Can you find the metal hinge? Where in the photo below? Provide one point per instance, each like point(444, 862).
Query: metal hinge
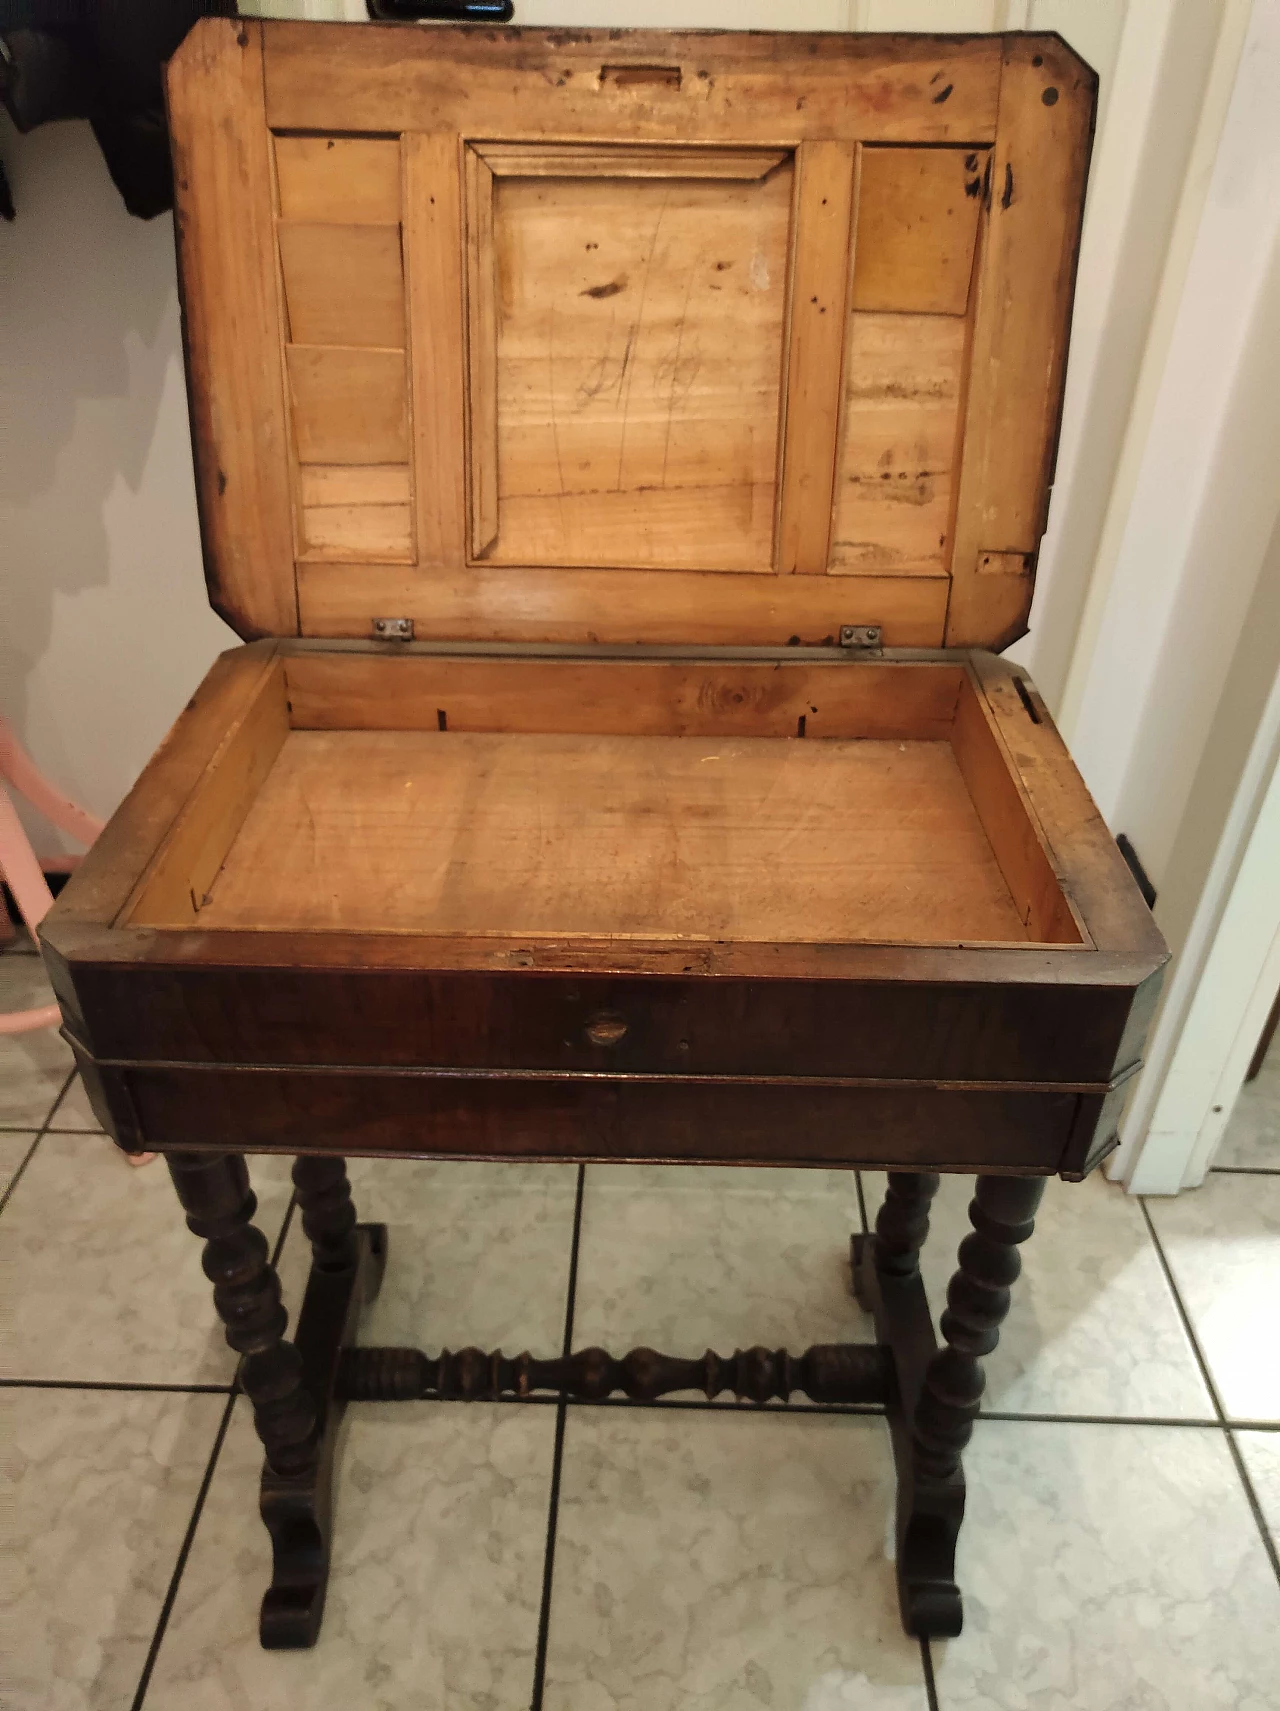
point(393, 629)
point(862, 638)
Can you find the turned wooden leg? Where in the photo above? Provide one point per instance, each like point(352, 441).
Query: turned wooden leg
point(215, 1194)
point(328, 1215)
point(902, 1223)
point(1002, 1213)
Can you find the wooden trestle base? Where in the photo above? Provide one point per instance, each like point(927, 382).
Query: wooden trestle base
point(299, 1390)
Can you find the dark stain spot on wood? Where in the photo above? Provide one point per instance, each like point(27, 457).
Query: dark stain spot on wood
point(442, 719)
point(222, 482)
point(942, 94)
point(610, 290)
point(973, 187)
point(800, 724)
point(1038, 59)
point(722, 265)
point(242, 36)
point(1050, 96)
point(1007, 198)
point(329, 144)
point(971, 163)
point(793, 641)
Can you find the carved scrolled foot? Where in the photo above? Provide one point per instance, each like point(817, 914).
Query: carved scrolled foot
point(935, 1391)
point(932, 1498)
point(298, 1511)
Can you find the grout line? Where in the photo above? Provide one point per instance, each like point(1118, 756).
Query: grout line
point(122, 1385)
point(1245, 1170)
point(285, 1222)
point(1036, 1419)
point(557, 1459)
point(1268, 1543)
point(58, 1103)
point(16, 1178)
point(41, 1132)
point(184, 1551)
point(1251, 1496)
point(1183, 1314)
point(930, 1685)
point(862, 1202)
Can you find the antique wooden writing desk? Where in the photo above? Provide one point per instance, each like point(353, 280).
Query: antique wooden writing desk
point(618, 451)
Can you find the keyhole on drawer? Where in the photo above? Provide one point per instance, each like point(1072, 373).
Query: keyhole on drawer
point(605, 1030)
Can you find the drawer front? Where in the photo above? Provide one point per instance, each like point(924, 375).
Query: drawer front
point(637, 1025)
point(760, 1122)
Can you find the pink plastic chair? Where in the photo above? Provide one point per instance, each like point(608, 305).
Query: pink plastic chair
point(21, 869)
point(19, 866)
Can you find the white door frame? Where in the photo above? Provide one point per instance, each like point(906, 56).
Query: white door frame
point(1222, 987)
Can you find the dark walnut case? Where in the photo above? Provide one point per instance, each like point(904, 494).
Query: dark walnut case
point(624, 456)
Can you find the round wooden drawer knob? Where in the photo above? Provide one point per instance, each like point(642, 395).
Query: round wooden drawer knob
point(606, 1030)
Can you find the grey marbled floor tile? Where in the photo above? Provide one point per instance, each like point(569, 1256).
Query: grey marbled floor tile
point(1093, 1328)
point(683, 1259)
point(107, 1279)
point(102, 1487)
point(478, 1254)
point(1222, 1241)
point(73, 1112)
point(13, 1149)
point(726, 1561)
point(1109, 1568)
point(33, 1067)
point(1261, 1452)
point(1252, 1140)
point(439, 1536)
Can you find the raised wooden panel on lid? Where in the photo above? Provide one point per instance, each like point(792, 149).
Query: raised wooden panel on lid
point(626, 336)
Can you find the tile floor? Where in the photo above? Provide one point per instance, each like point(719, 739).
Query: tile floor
point(1124, 1511)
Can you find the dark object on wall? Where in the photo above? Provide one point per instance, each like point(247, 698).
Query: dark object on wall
point(101, 60)
point(6, 196)
point(1264, 1043)
point(443, 11)
point(1141, 877)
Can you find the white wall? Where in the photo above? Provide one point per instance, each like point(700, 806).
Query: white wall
point(1206, 495)
point(104, 627)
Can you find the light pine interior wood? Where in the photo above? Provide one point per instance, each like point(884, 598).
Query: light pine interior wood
point(673, 337)
point(512, 834)
point(644, 800)
point(626, 355)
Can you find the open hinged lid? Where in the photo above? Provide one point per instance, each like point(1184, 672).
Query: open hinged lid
point(614, 336)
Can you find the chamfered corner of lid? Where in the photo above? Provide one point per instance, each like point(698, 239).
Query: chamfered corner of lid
point(209, 42)
point(1065, 71)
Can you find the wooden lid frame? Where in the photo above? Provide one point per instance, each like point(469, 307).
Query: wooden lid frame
point(625, 336)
